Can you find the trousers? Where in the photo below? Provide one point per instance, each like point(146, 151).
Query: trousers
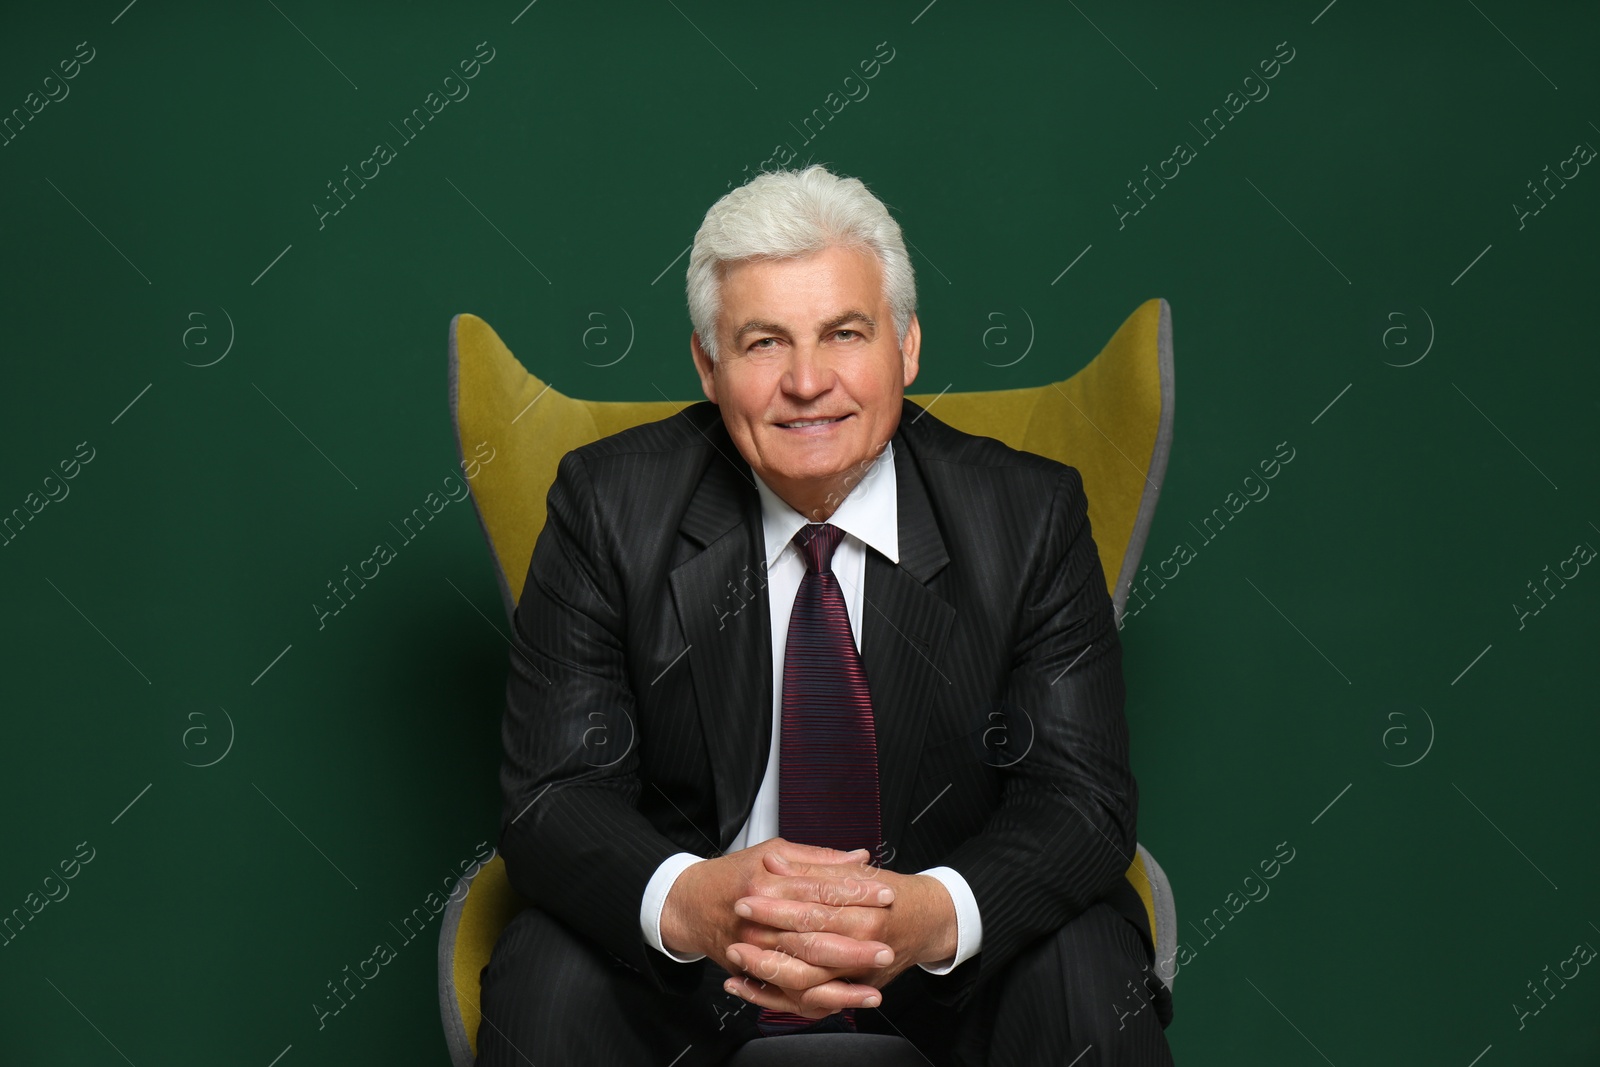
point(1085, 995)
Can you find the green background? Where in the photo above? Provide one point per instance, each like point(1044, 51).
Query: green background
point(1371, 591)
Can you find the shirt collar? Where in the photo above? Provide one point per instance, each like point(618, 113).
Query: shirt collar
point(870, 512)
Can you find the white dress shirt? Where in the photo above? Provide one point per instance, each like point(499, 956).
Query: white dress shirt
point(869, 515)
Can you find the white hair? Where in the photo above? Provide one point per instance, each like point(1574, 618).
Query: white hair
point(789, 213)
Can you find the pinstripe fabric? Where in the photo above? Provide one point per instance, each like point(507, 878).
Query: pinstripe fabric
point(828, 759)
point(1084, 995)
point(640, 684)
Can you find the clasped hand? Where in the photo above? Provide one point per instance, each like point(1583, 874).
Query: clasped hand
point(806, 929)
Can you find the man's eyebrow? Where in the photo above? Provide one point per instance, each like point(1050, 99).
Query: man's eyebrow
point(755, 325)
point(852, 315)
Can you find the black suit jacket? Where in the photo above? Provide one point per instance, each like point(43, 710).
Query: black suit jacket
point(638, 704)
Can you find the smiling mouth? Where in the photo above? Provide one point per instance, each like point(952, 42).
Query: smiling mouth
point(802, 423)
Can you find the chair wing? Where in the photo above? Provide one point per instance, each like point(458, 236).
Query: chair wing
point(1112, 421)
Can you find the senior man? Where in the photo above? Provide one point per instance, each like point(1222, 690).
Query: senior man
point(801, 616)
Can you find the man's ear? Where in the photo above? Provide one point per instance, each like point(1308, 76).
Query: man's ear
point(704, 367)
point(911, 350)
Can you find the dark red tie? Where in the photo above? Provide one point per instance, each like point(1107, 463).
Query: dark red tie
point(828, 759)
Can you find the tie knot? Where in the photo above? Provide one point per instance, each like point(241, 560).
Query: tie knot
point(816, 542)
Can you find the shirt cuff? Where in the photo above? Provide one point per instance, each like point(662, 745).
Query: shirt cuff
point(969, 925)
point(655, 897)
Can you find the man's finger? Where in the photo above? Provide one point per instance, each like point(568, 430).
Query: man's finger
point(771, 996)
point(815, 1003)
point(806, 916)
point(828, 954)
point(777, 863)
point(819, 853)
point(835, 890)
point(838, 952)
point(777, 966)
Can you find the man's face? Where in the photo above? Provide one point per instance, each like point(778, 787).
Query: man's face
point(808, 338)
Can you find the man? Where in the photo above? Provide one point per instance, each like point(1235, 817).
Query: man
point(808, 603)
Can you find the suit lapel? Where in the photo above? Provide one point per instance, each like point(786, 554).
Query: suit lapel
point(720, 595)
point(903, 635)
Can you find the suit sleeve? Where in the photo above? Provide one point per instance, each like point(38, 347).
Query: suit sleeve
point(574, 841)
point(1064, 831)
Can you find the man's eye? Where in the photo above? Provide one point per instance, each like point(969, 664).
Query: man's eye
point(836, 333)
point(757, 345)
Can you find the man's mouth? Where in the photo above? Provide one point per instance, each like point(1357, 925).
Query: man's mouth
point(801, 423)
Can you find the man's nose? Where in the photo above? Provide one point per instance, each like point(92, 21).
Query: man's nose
point(810, 371)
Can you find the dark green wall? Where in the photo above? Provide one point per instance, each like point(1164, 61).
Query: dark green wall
point(1371, 593)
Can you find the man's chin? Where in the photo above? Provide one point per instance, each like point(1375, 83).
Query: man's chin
point(797, 477)
point(808, 459)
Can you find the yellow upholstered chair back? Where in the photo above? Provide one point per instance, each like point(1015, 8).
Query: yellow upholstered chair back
point(1112, 420)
